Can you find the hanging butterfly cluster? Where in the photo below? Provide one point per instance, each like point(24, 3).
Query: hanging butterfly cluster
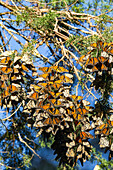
point(65, 116)
point(99, 58)
point(13, 72)
point(15, 77)
point(103, 124)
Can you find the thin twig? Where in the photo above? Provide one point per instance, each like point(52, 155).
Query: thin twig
point(21, 140)
point(12, 113)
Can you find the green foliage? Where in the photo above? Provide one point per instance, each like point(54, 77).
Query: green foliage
point(46, 142)
point(30, 18)
point(26, 160)
point(103, 163)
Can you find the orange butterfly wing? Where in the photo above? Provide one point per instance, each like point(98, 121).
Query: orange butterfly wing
point(34, 96)
point(48, 121)
point(47, 106)
point(6, 70)
point(102, 59)
point(56, 121)
point(24, 68)
point(103, 67)
point(44, 75)
point(13, 88)
point(45, 69)
point(94, 69)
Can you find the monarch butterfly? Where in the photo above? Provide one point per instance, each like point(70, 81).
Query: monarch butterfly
point(51, 111)
point(82, 111)
point(91, 62)
point(13, 88)
point(105, 45)
point(103, 67)
point(50, 82)
point(76, 116)
point(42, 84)
point(76, 97)
point(103, 129)
point(62, 69)
point(47, 106)
point(110, 51)
point(81, 59)
point(45, 69)
point(55, 95)
point(56, 86)
point(44, 75)
point(57, 112)
point(59, 102)
point(53, 101)
point(80, 140)
point(5, 60)
point(84, 135)
point(65, 79)
point(100, 67)
point(110, 122)
point(34, 96)
point(50, 121)
point(54, 68)
point(52, 78)
point(59, 69)
point(84, 58)
point(94, 69)
point(6, 70)
point(110, 44)
point(102, 59)
point(14, 78)
point(36, 87)
point(69, 111)
point(24, 68)
point(56, 121)
point(58, 82)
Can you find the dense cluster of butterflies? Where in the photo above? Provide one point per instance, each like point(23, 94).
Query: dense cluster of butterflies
point(50, 107)
point(56, 111)
point(99, 58)
point(102, 122)
point(12, 76)
point(105, 133)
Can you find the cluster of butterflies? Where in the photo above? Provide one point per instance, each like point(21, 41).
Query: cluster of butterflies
point(56, 110)
point(99, 58)
point(49, 96)
point(104, 128)
point(73, 145)
point(12, 75)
